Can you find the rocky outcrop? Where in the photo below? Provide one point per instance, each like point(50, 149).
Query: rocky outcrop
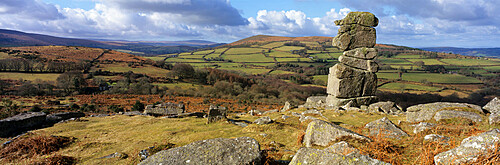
point(494, 118)
point(286, 107)
point(56, 117)
point(354, 79)
point(321, 133)
point(470, 148)
point(449, 114)
point(436, 138)
point(216, 113)
point(339, 153)
point(164, 109)
point(423, 126)
point(493, 106)
point(263, 120)
point(243, 150)
point(387, 107)
point(21, 122)
point(385, 128)
point(423, 112)
point(314, 102)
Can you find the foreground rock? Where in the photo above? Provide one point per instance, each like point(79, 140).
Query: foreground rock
point(339, 153)
point(164, 109)
point(493, 106)
point(448, 114)
point(423, 126)
point(436, 138)
point(243, 150)
point(494, 118)
point(470, 148)
point(21, 122)
point(385, 128)
point(321, 133)
point(423, 112)
point(387, 107)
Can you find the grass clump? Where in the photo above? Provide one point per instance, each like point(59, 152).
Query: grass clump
point(31, 145)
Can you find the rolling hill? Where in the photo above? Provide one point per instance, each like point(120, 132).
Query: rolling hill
point(482, 52)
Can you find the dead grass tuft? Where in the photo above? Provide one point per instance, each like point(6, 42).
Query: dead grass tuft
point(31, 145)
point(384, 150)
point(493, 157)
point(300, 138)
point(57, 160)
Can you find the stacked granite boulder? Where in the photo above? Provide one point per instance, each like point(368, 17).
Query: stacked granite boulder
point(354, 79)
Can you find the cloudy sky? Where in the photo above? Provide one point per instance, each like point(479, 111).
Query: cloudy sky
point(416, 23)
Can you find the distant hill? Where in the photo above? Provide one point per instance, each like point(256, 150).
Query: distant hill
point(266, 38)
point(12, 38)
point(483, 52)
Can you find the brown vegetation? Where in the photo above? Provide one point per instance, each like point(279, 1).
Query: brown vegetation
point(31, 145)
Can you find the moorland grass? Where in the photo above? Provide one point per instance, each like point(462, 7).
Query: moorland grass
point(29, 76)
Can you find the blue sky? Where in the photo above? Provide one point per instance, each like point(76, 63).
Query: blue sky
point(422, 23)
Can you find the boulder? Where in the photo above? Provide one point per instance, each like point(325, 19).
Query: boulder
point(306, 118)
point(21, 122)
point(385, 128)
point(423, 112)
point(362, 53)
point(255, 112)
point(286, 107)
point(263, 120)
point(387, 107)
point(361, 18)
point(321, 133)
point(355, 36)
point(328, 156)
point(56, 117)
point(436, 138)
point(118, 155)
point(164, 109)
point(312, 111)
point(470, 148)
point(216, 113)
point(493, 106)
point(356, 102)
point(243, 150)
point(314, 102)
point(449, 114)
point(342, 148)
point(368, 65)
point(270, 111)
point(423, 126)
point(348, 82)
point(494, 118)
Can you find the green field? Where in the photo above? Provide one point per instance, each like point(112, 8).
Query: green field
point(470, 62)
point(493, 68)
point(4, 55)
point(324, 78)
point(283, 54)
point(272, 45)
point(204, 52)
point(173, 60)
point(278, 72)
point(289, 48)
point(244, 50)
point(403, 86)
point(220, 50)
point(430, 77)
point(293, 60)
point(213, 55)
point(248, 70)
point(28, 76)
point(248, 58)
point(185, 54)
point(193, 57)
point(393, 61)
point(428, 61)
point(407, 56)
point(156, 58)
point(321, 56)
point(335, 55)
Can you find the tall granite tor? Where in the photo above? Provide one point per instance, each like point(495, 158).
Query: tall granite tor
point(354, 79)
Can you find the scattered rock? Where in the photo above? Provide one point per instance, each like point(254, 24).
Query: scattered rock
point(284, 117)
point(449, 114)
point(255, 112)
point(21, 122)
point(263, 120)
point(115, 155)
point(145, 153)
point(216, 113)
point(423, 126)
point(286, 107)
point(243, 150)
point(164, 109)
point(182, 115)
point(470, 148)
point(387, 107)
point(329, 156)
point(321, 133)
point(270, 111)
point(56, 117)
point(314, 112)
point(436, 138)
point(423, 112)
point(133, 113)
point(241, 123)
point(314, 102)
point(494, 118)
point(385, 128)
point(342, 148)
point(493, 106)
point(305, 118)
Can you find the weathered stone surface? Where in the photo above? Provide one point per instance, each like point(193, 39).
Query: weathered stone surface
point(313, 156)
point(343, 71)
point(21, 122)
point(436, 138)
point(346, 87)
point(361, 18)
point(263, 120)
point(470, 148)
point(387, 107)
point(385, 128)
point(355, 36)
point(368, 65)
point(216, 113)
point(494, 118)
point(347, 82)
point(286, 107)
point(164, 109)
point(423, 126)
point(423, 112)
point(370, 84)
point(243, 150)
point(493, 106)
point(306, 118)
point(321, 133)
point(312, 111)
point(254, 112)
point(270, 111)
point(449, 114)
point(358, 101)
point(342, 148)
point(314, 102)
point(362, 53)
point(56, 117)
point(115, 155)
